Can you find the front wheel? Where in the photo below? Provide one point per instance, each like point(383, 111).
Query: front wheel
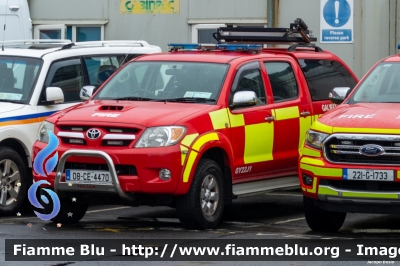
point(72, 209)
point(14, 181)
point(202, 206)
point(322, 220)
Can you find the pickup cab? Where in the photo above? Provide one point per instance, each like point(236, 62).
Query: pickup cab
point(193, 128)
point(350, 160)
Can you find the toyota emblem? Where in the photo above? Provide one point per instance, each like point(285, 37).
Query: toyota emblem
point(93, 133)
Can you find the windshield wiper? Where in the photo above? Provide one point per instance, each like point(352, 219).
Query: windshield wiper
point(10, 101)
point(133, 99)
point(188, 100)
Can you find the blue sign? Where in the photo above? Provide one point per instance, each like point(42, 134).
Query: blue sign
point(336, 35)
point(337, 21)
point(337, 12)
point(49, 166)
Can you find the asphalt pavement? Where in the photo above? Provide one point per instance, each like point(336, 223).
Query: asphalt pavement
point(273, 216)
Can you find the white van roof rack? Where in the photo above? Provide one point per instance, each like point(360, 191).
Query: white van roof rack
point(35, 41)
point(107, 43)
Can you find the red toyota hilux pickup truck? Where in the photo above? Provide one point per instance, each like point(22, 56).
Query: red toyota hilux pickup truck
point(194, 128)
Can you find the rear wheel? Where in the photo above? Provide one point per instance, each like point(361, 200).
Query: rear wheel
point(14, 181)
point(202, 206)
point(321, 220)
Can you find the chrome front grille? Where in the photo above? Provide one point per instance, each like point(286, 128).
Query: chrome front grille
point(111, 136)
point(348, 148)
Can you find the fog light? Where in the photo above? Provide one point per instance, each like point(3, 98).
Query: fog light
point(307, 180)
point(165, 174)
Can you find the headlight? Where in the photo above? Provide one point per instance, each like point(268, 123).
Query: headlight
point(315, 139)
point(43, 136)
point(160, 136)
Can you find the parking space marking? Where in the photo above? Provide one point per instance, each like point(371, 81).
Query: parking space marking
point(17, 218)
point(375, 231)
point(284, 194)
point(110, 209)
point(290, 220)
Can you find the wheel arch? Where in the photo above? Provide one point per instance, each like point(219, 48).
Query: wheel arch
point(215, 146)
point(220, 156)
point(20, 148)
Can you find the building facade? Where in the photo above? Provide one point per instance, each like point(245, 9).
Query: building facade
point(160, 22)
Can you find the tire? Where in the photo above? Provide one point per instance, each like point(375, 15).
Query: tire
point(206, 190)
point(71, 211)
point(321, 220)
point(14, 181)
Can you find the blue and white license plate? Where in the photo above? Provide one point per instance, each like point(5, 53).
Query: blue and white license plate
point(88, 176)
point(368, 174)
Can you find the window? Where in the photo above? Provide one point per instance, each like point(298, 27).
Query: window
point(382, 85)
point(66, 75)
point(75, 33)
point(100, 68)
point(184, 81)
point(17, 77)
point(283, 81)
point(324, 75)
point(84, 34)
point(49, 31)
point(202, 33)
point(248, 78)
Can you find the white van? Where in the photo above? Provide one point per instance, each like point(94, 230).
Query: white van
point(38, 80)
point(15, 15)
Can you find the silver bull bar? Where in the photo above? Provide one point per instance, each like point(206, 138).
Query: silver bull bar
point(64, 186)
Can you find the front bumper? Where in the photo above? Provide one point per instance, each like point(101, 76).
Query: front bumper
point(332, 192)
point(115, 187)
point(147, 163)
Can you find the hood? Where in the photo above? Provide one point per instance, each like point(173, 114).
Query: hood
point(9, 107)
point(363, 115)
point(146, 114)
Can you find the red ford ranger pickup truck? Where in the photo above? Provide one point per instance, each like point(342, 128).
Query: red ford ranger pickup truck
point(351, 157)
point(193, 128)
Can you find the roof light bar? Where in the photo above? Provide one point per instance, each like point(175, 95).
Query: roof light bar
point(185, 46)
point(239, 47)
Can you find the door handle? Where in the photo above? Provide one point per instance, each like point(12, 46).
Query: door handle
point(305, 113)
point(270, 118)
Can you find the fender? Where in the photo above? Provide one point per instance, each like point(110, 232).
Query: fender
point(19, 134)
point(198, 147)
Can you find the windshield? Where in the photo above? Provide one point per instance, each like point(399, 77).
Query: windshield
point(17, 77)
point(382, 85)
point(166, 81)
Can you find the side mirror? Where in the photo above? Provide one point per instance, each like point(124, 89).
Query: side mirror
point(54, 95)
point(87, 92)
point(244, 99)
point(338, 94)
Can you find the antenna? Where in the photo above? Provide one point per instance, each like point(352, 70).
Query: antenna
point(140, 37)
point(5, 20)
